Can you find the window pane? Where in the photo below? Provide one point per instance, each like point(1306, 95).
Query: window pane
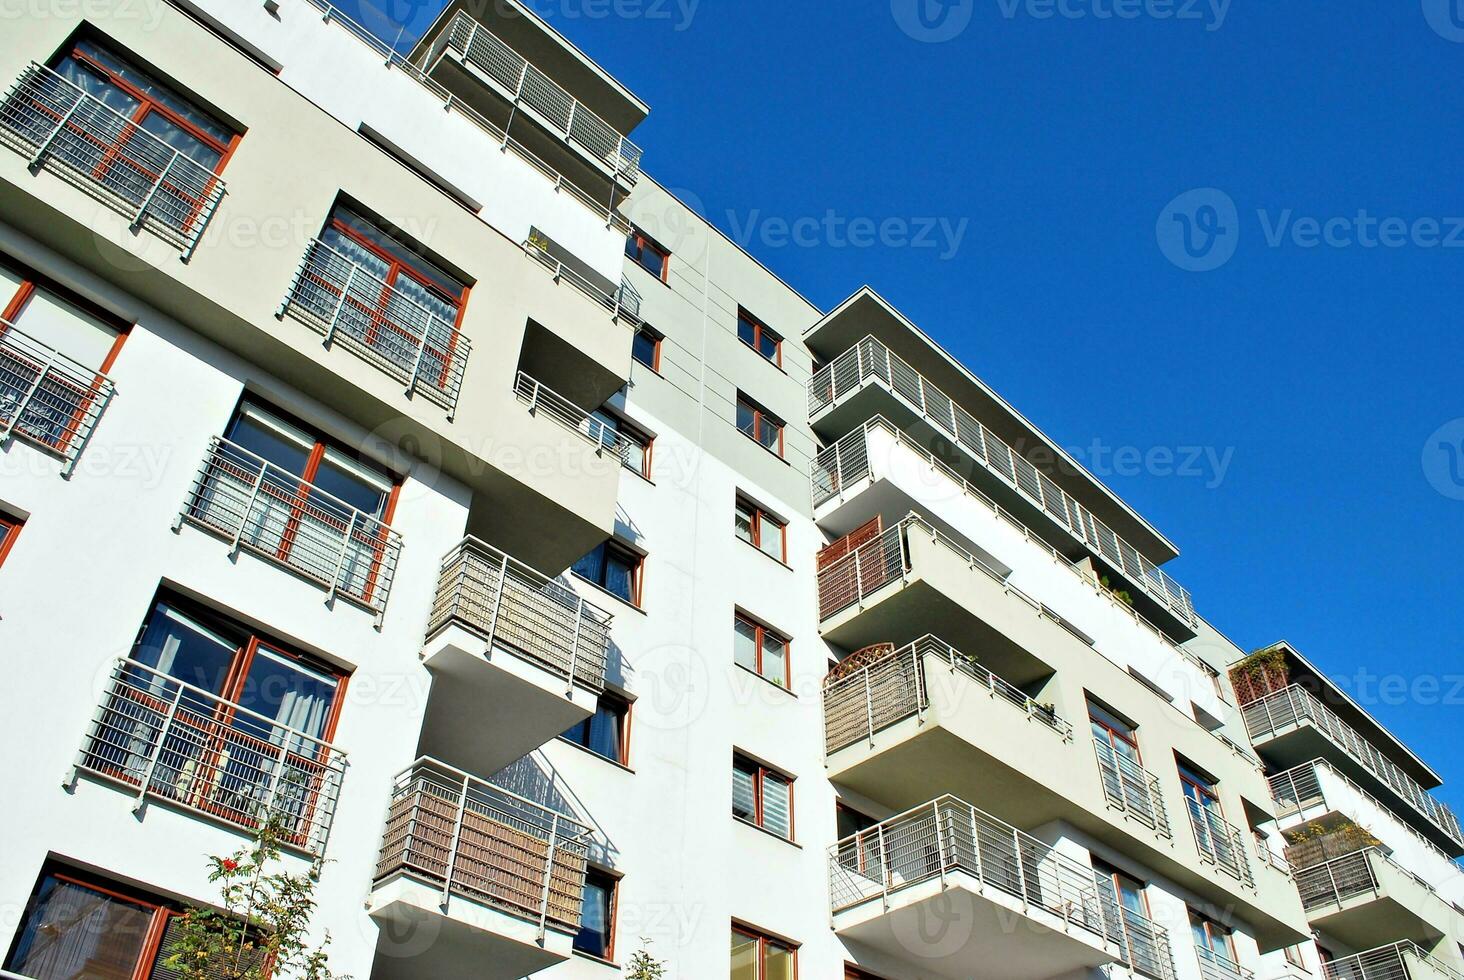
point(768, 432)
point(746, 331)
point(746, 419)
point(181, 140)
point(62, 326)
point(770, 536)
point(744, 801)
point(605, 731)
point(75, 932)
point(580, 733)
point(743, 522)
point(744, 644)
point(635, 456)
point(594, 931)
point(775, 659)
point(181, 647)
point(767, 346)
point(592, 566)
point(652, 261)
point(287, 692)
point(779, 965)
point(744, 957)
point(777, 815)
point(643, 349)
point(268, 437)
point(620, 578)
point(354, 484)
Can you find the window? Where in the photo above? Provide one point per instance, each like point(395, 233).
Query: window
point(607, 731)
point(647, 254)
point(37, 317)
point(755, 423)
point(756, 956)
point(1213, 941)
point(752, 332)
point(761, 651)
point(762, 797)
point(81, 925)
point(1294, 957)
point(596, 934)
point(761, 530)
point(614, 568)
point(1148, 953)
point(611, 429)
point(1121, 737)
point(9, 531)
point(1200, 791)
point(646, 348)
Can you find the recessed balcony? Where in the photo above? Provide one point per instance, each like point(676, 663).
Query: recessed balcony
point(1219, 842)
point(46, 398)
point(1366, 899)
point(1218, 966)
point(517, 658)
point(494, 878)
point(1396, 961)
point(1022, 904)
point(171, 742)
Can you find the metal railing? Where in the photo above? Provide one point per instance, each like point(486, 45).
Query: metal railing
point(1396, 961)
point(1219, 842)
point(172, 741)
point(1269, 857)
point(540, 398)
point(1334, 882)
point(949, 836)
point(623, 303)
point(528, 85)
point(275, 514)
point(871, 361)
point(352, 305)
point(1131, 788)
point(86, 142)
point(506, 602)
point(1218, 966)
point(1294, 706)
point(894, 688)
point(1145, 943)
point(481, 842)
point(46, 397)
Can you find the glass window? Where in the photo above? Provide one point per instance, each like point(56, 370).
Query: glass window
point(754, 334)
point(647, 254)
point(762, 797)
point(9, 530)
point(759, 957)
point(610, 429)
point(1117, 733)
point(614, 568)
point(605, 732)
point(760, 650)
point(761, 530)
point(757, 425)
point(596, 934)
point(646, 348)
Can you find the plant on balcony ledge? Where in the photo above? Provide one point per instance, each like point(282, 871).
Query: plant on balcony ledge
point(1262, 673)
point(1122, 595)
point(262, 934)
point(1316, 843)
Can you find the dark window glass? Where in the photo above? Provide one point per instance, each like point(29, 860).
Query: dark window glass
point(646, 348)
point(604, 732)
point(597, 915)
point(613, 569)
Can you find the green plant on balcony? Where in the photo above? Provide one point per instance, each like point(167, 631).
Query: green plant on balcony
point(1122, 595)
point(1317, 842)
point(539, 241)
point(1260, 674)
point(643, 966)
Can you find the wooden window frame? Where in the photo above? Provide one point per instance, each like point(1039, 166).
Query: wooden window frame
point(761, 772)
point(1212, 929)
point(764, 940)
point(10, 528)
point(637, 575)
point(761, 417)
point(1129, 738)
point(625, 708)
point(641, 242)
point(656, 338)
point(760, 331)
point(759, 515)
point(1190, 777)
point(760, 634)
point(611, 919)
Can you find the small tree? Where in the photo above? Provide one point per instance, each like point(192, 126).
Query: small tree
point(262, 933)
point(643, 966)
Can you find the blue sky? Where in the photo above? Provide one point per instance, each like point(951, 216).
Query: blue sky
point(1054, 136)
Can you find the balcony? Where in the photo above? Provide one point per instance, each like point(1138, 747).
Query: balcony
point(1292, 727)
point(271, 512)
point(1219, 842)
point(1131, 789)
point(623, 302)
point(516, 657)
point(1366, 899)
point(1218, 966)
point(870, 380)
point(544, 400)
point(82, 140)
point(1146, 945)
point(46, 398)
point(1396, 961)
point(489, 62)
point(383, 325)
point(165, 740)
point(1035, 911)
point(497, 878)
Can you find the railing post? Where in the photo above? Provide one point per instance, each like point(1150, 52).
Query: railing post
point(157, 753)
point(497, 602)
point(579, 616)
point(45, 147)
point(272, 792)
point(452, 850)
point(25, 400)
point(976, 845)
point(341, 558)
point(335, 316)
point(548, 877)
point(918, 665)
point(1021, 869)
point(869, 706)
point(884, 868)
point(248, 507)
point(940, 848)
point(417, 364)
point(215, 194)
point(152, 192)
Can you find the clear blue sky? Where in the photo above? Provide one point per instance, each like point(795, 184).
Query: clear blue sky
point(1324, 369)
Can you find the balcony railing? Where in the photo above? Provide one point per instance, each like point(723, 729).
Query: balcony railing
point(1294, 706)
point(1218, 966)
point(949, 836)
point(1267, 856)
point(1131, 788)
point(1349, 876)
point(623, 303)
point(1219, 842)
point(1146, 945)
point(894, 688)
point(47, 398)
point(258, 506)
point(541, 398)
point(506, 602)
point(870, 361)
point(479, 841)
point(1398, 961)
point(86, 142)
point(351, 305)
point(172, 741)
point(527, 85)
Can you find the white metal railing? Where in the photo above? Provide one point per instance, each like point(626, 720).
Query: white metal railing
point(1131, 788)
point(46, 397)
point(526, 84)
point(352, 305)
point(272, 512)
point(1396, 961)
point(949, 836)
point(479, 841)
point(1293, 706)
point(623, 303)
point(540, 398)
point(1267, 856)
point(1146, 945)
point(172, 741)
point(1218, 966)
point(506, 602)
point(870, 361)
point(1219, 842)
point(1339, 879)
point(62, 128)
point(894, 688)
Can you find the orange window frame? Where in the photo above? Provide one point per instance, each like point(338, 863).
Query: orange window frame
point(644, 243)
point(764, 941)
point(1116, 735)
point(635, 559)
point(1211, 930)
point(760, 332)
point(613, 882)
point(761, 418)
point(1190, 778)
point(760, 635)
point(656, 339)
point(759, 516)
point(9, 531)
point(760, 775)
point(10, 312)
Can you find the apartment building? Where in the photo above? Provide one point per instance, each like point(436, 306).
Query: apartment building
point(441, 487)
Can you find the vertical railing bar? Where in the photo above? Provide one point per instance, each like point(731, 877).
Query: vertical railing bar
point(152, 764)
